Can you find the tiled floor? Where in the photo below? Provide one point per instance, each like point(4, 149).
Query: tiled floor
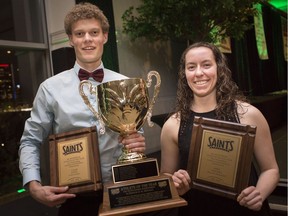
point(24, 205)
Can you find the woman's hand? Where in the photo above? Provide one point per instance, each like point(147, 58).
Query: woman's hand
point(134, 142)
point(250, 198)
point(49, 195)
point(181, 181)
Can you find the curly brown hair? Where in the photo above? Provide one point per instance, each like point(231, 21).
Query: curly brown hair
point(227, 91)
point(85, 10)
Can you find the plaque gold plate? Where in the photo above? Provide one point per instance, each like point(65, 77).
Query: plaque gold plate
point(220, 156)
point(133, 170)
point(74, 160)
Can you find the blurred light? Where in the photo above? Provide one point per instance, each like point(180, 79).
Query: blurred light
point(21, 190)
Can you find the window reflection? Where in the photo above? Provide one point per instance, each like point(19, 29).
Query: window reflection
point(22, 20)
point(21, 72)
point(24, 64)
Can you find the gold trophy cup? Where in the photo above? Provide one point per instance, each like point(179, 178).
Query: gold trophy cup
point(124, 106)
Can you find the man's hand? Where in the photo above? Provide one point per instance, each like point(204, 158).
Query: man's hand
point(134, 142)
point(48, 195)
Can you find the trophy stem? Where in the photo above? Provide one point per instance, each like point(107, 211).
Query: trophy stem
point(128, 156)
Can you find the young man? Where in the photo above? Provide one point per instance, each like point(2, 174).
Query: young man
point(58, 107)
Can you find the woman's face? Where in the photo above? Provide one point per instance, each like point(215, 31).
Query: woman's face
point(201, 71)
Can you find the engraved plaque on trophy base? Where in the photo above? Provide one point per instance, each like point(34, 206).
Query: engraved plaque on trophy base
point(139, 196)
point(133, 170)
point(139, 192)
point(74, 160)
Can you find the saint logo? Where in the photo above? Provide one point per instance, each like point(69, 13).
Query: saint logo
point(226, 145)
point(69, 149)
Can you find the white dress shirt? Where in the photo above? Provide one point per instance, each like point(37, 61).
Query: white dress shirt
point(58, 107)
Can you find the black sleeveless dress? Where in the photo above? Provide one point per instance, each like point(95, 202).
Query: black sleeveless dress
point(202, 203)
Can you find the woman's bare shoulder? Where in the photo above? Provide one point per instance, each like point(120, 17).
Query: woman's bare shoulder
point(249, 114)
point(173, 119)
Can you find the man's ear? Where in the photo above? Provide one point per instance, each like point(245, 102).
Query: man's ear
point(70, 41)
point(105, 37)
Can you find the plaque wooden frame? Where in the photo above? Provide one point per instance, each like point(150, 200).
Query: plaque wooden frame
point(87, 142)
point(215, 147)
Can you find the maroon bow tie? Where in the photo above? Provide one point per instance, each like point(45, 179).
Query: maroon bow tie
point(97, 75)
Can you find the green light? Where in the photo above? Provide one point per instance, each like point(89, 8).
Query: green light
point(279, 4)
point(21, 190)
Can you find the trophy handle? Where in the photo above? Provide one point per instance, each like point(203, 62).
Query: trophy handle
point(92, 90)
point(155, 94)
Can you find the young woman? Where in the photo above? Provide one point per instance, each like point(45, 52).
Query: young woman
point(205, 88)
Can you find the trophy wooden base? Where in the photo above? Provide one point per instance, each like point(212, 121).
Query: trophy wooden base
point(139, 196)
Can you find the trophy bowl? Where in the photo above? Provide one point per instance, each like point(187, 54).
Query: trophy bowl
point(124, 106)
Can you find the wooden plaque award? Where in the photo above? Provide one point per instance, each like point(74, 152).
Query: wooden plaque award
point(220, 156)
point(74, 160)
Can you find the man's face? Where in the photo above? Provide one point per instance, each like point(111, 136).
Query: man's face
point(88, 40)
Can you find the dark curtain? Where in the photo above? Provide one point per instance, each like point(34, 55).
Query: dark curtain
point(272, 22)
point(239, 64)
point(253, 75)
